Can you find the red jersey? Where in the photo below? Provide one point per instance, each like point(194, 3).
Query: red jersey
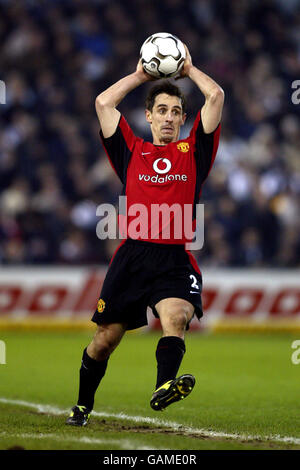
point(162, 184)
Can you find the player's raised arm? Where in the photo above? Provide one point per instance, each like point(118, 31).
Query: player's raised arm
point(107, 102)
point(214, 95)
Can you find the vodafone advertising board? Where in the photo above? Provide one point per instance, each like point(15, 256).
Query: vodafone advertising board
point(69, 292)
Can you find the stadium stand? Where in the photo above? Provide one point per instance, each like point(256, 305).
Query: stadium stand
point(56, 58)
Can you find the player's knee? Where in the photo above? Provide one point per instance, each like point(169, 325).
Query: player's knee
point(103, 345)
point(101, 349)
point(176, 319)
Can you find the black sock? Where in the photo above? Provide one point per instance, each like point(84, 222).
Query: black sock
point(169, 353)
point(90, 375)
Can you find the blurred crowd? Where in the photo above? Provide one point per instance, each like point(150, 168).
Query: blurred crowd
point(58, 55)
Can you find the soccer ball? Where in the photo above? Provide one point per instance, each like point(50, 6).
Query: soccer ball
point(162, 55)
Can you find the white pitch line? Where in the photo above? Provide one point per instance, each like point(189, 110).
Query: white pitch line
point(123, 443)
point(157, 422)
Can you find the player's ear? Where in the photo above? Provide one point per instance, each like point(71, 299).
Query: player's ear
point(183, 119)
point(148, 116)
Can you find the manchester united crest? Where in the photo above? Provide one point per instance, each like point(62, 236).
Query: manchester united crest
point(100, 305)
point(183, 147)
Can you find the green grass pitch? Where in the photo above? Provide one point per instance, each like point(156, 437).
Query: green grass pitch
point(246, 394)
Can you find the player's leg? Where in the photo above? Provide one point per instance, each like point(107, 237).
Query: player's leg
point(174, 316)
point(93, 367)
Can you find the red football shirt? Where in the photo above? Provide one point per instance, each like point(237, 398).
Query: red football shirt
point(162, 183)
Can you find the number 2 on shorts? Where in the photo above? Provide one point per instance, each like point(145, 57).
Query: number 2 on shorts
point(194, 282)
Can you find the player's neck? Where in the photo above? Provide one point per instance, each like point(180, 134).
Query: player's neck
point(163, 142)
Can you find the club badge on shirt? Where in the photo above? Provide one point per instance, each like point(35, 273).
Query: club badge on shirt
point(183, 147)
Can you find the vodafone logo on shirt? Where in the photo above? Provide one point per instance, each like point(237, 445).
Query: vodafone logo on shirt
point(161, 166)
point(167, 168)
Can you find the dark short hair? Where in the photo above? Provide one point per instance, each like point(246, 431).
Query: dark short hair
point(167, 88)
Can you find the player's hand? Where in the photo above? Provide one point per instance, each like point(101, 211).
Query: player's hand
point(187, 64)
point(144, 75)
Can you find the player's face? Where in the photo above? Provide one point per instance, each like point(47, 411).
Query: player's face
point(166, 118)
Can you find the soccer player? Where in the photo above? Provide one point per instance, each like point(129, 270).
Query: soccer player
point(151, 269)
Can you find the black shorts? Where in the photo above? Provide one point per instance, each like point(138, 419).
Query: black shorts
point(141, 274)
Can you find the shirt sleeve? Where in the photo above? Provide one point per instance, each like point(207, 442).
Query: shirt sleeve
point(206, 146)
point(119, 147)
